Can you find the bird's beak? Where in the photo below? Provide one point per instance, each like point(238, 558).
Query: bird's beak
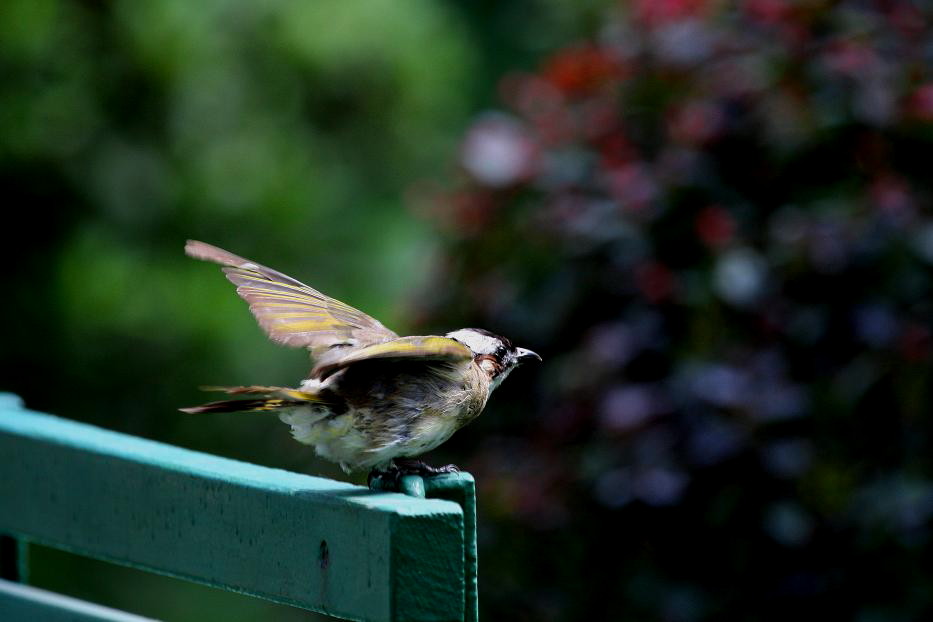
point(522, 355)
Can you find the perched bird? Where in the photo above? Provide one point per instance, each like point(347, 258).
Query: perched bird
point(373, 400)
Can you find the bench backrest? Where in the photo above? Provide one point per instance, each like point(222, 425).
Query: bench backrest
point(306, 541)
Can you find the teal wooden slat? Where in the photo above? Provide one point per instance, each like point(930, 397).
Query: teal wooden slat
point(461, 489)
point(10, 400)
point(296, 539)
point(23, 603)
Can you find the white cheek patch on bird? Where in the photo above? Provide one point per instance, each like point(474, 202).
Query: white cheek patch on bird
point(372, 396)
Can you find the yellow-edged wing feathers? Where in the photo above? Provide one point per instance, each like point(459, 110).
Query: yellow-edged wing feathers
point(291, 312)
point(428, 348)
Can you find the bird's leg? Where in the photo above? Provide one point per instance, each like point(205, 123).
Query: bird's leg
point(411, 466)
point(389, 477)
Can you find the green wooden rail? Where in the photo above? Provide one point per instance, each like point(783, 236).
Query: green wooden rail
point(305, 541)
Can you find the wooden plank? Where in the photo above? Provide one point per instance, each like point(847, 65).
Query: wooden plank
point(460, 488)
point(22, 603)
point(306, 541)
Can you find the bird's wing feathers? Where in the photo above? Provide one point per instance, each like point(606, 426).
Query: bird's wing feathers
point(291, 312)
point(429, 348)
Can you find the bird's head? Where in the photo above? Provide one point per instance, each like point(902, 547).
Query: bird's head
point(495, 355)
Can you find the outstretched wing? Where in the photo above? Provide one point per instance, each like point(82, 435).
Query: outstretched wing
point(290, 312)
point(430, 348)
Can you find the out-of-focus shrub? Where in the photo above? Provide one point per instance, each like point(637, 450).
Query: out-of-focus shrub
point(284, 131)
point(714, 222)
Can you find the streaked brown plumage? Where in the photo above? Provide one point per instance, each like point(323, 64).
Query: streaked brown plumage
point(371, 396)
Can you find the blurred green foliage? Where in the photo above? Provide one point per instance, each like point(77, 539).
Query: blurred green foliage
point(286, 131)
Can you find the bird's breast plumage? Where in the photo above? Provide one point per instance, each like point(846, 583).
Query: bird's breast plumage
point(381, 410)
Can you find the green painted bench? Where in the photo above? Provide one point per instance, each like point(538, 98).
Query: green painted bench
point(305, 541)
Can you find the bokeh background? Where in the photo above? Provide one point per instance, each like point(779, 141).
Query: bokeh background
point(713, 220)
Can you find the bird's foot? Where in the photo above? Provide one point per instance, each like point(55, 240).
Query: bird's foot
point(390, 477)
point(408, 466)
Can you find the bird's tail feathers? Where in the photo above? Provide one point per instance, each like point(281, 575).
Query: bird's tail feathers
point(272, 399)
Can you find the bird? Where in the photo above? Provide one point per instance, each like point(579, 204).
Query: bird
point(372, 399)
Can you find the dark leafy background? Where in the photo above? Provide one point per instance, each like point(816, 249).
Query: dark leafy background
point(712, 220)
